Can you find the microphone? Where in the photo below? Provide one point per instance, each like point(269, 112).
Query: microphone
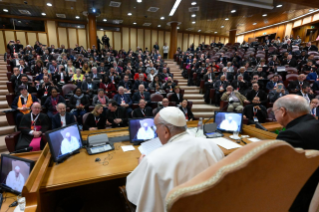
point(27, 149)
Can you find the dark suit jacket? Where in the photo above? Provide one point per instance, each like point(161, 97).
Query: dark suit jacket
point(261, 94)
point(206, 77)
point(261, 114)
point(309, 95)
point(137, 97)
point(63, 51)
point(56, 120)
point(292, 62)
point(137, 83)
point(137, 113)
point(242, 86)
point(127, 99)
point(229, 77)
point(84, 101)
point(127, 85)
point(312, 48)
point(90, 122)
point(14, 104)
point(119, 113)
point(189, 113)
point(174, 98)
point(47, 104)
point(294, 84)
point(30, 89)
point(218, 83)
point(85, 87)
point(47, 57)
point(303, 133)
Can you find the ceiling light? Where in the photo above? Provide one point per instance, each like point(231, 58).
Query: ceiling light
point(199, 30)
point(194, 15)
point(177, 27)
point(138, 1)
point(49, 4)
point(5, 10)
point(159, 26)
point(78, 26)
point(77, 17)
point(162, 18)
point(311, 10)
point(175, 6)
point(252, 4)
point(104, 19)
point(134, 23)
point(233, 11)
point(193, 22)
point(215, 32)
point(93, 10)
point(226, 19)
point(19, 21)
point(279, 5)
point(193, 3)
point(254, 23)
point(222, 26)
point(264, 15)
point(101, 29)
point(43, 14)
point(129, 13)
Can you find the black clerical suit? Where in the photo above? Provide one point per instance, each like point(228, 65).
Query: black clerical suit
point(217, 86)
point(176, 99)
point(118, 114)
point(93, 121)
point(56, 120)
point(139, 113)
point(25, 128)
point(241, 87)
point(249, 111)
point(302, 132)
point(260, 93)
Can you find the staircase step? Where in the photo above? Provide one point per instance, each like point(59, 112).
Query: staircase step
point(203, 114)
point(204, 108)
point(3, 86)
point(179, 83)
point(4, 104)
point(3, 146)
point(3, 97)
point(193, 96)
point(3, 91)
point(198, 101)
point(189, 88)
point(3, 78)
point(7, 130)
point(191, 91)
point(3, 121)
point(4, 109)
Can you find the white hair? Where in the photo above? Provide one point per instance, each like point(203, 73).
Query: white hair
point(94, 68)
point(121, 87)
point(293, 106)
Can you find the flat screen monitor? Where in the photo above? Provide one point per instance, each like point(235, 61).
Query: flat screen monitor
point(15, 171)
point(64, 140)
point(142, 129)
point(228, 121)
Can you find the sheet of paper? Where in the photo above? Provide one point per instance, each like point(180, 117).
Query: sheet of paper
point(128, 148)
point(224, 142)
point(149, 146)
point(254, 139)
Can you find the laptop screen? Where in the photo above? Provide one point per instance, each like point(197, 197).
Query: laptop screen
point(229, 121)
point(142, 129)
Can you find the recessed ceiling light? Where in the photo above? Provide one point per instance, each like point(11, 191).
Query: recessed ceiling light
point(104, 19)
point(194, 15)
point(49, 4)
point(19, 21)
point(279, 5)
point(193, 3)
point(78, 26)
point(101, 29)
point(215, 32)
point(138, 1)
point(159, 26)
point(129, 13)
point(233, 11)
point(72, 8)
point(77, 17)
point(134, 23)
point(5, 10)
point(254, 23)
point(222, 26)
point(264, 15)
point(311, 10)
point(177, 27)
point(199, 30)
point(193, 22)
point(43, 14)
point(162, 18)
point(226, 19)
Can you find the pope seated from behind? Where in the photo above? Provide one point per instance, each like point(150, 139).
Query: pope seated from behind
point(181, 157)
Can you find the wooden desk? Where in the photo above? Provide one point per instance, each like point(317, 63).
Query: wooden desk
point(271, 126)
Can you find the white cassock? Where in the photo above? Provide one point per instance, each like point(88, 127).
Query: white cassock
point(143, 134)
point(69, 146)
point(232, 126)
point(176, 162)
point(16, 183)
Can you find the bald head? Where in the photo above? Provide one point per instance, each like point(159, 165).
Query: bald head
point(36, 108)
point(290, 107)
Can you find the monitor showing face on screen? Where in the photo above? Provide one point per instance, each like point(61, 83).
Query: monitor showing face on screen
point(228, 121)
point(142, 129)
point(15, 171)
point(64, 140)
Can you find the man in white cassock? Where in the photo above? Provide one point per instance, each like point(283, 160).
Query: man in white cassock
point(145, 132)
point(229, 124)
point(181, 157)
point(15, 179)
point(69, 144)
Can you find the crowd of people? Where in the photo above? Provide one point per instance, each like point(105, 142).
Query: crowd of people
point(251, 77)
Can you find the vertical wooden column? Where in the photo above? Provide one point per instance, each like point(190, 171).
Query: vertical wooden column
point(92, 31)
point(232, 36)
point(173, 42)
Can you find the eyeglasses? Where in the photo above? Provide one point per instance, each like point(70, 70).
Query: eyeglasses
point(275, 110)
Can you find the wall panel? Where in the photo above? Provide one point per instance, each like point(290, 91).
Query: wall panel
point(140, 38)
point(125, 38)
point(315, 17)
point(21, 37)
point(222, 39)
point(288, 29)
point(190, 39)
point(117, 41)
point(82, 38)
point(9, 35)
point(207, 40)
point(154, 38)
point(53, 40)
point(196, 41)
point(226, 40)
point(160, 40)
point(240, 38)
point(147, 39)
point(63, 37)
point(216, 39)
point(185, 42)
point(179, 40)
point(306, 20)
point(109, 34)
point(72, 37)
point(2, 44)
point(297, 23)
point(100, 34)
point(133, 39)
point(32, 38)
point(168, 38)
point(43, 38)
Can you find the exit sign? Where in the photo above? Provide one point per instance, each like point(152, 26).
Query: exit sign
point(312, 27)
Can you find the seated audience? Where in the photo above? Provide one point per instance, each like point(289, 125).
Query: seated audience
point(62, 118)
point(314, 110)
point(273, 82)
point(126, 84)
point(124, 100)
point(142, 110)
point(108, 87)
point(186, 110)
point(169, 84)
point(78, 78)
point(180, 149)
point(140, 81)
point(96, 119)
point(32, 126)
point(255, 112)
point(220, 87)
point(89, 87)
point(306, 92)
point(116, 115)
point(235, 99)
point(160, 105)
point(295, 86)
point(257, 92)
point(52, 102)
point(177, 97)
point(24, 81)
point(79, 104)
point(277, 92)
point(141, 94)
point(240, 84)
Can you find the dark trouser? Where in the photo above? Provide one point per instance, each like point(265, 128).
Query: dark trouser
point(165, 55)
point(208, 86)
point(18, 118)
point(217, 97)
point(78, 114)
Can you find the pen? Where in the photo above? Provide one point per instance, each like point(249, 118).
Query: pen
point(243, 141)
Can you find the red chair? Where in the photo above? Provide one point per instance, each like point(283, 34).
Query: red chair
point(223, 105)
point(291, 70)
point(10, 87)
point(211, 96)
point(66, 89)
point(271, 75)
point(169, 96)
point(291, 77)
point(84, 117)
point(271, 115)
point(156, 97)
point(12, 140)
point(9, 75)
point(202, 86)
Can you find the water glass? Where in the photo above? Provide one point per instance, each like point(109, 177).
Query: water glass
point(21, 202)
point(235, 134)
